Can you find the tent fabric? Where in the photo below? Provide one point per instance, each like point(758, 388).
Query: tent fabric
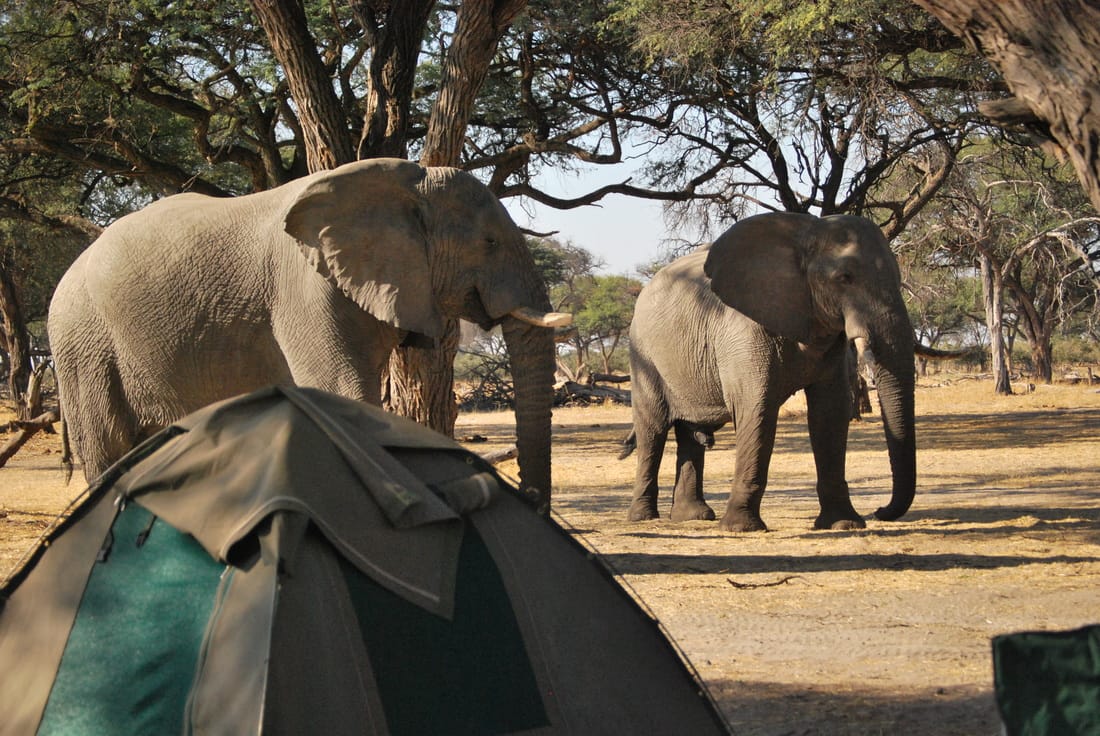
point(1047, 683)
point(126, 605)
point(246, 459)
point(293, 562)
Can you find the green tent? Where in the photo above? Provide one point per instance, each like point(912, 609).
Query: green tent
point(294, 562)
point(1047, 683)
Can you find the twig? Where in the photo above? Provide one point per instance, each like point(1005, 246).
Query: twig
point(752, 586)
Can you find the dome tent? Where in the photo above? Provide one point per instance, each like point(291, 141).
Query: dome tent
point(294, 562)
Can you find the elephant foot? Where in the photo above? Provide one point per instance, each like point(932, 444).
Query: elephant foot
point(742, 522)
point(691, 511)
point(643, 509)
point(846, 522)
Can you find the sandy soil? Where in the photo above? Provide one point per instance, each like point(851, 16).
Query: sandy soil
point(880, 631)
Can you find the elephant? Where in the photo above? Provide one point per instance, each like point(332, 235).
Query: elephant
point(194, 299)
point(729, 332)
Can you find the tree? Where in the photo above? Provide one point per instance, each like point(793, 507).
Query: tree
point(812, 107)
point(1023, 225)
point(604, 309)
point(14, 337)
point(942, 300)
point(36, 245)
point(1049, 55)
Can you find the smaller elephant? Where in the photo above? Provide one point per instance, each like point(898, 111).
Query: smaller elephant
point(729, 332)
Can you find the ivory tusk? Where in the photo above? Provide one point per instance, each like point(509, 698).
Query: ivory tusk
point(864, 351)
point(542, 319)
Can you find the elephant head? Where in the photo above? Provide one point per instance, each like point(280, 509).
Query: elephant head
point(813, 279)
point(414, 246)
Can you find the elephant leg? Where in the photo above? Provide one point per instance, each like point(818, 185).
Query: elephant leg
point(101, 426)
point(650, 447)
point(688, 503)
point(828, 410)
point(755, 441)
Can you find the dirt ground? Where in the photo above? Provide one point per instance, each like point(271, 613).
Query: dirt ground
point(881, 631)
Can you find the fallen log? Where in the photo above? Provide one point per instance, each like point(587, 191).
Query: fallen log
point(499, 456)
point(573, 392)
point(24, 431)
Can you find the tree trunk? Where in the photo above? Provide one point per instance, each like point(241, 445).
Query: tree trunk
point(993, 297)
point(1043, 360)
point(395, 41)
point(420, 383)
point(327, 138)
point(479, 27)
point(429, 372)
point(18, 345)
point(1049, 54)
point(1036, 323)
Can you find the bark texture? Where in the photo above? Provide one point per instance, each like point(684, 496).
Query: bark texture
point(993, 299)
point(420, 383)
point(327, 138)
point(395, 32)
point(479, 26)
point(1049, 54)
point(13, 332)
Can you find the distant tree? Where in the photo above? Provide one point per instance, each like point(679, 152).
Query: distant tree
point(606, 307)
point(1022, 223)
point(942, 300)
point(552, 260)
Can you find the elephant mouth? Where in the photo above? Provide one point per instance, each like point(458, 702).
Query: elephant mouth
point(475, 311)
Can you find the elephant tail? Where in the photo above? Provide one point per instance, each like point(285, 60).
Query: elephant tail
point(629, 444)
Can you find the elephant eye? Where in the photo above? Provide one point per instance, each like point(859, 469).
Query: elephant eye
point(844, 277)
point(491, 242)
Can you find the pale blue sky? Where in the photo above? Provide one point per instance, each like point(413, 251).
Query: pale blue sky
point(624, 232)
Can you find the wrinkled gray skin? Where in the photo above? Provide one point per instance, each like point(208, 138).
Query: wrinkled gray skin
point(729, 333)
point(195, 299)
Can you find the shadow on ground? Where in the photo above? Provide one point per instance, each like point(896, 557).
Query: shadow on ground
point(774, 709)
point(641, 563)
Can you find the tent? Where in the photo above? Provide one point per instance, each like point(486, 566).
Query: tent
point(1047, 683)
point(294, 562)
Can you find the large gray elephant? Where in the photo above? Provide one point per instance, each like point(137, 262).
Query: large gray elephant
point(194, 299)
point(730, 332)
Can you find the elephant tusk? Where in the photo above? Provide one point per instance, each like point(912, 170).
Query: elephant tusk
point(542, 319)
point(863, 350)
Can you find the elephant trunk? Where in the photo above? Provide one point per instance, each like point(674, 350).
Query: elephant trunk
point(531, 352)
point(894, 381)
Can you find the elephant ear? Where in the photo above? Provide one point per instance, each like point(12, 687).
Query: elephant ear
point(756, 267)
point(362, 227)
